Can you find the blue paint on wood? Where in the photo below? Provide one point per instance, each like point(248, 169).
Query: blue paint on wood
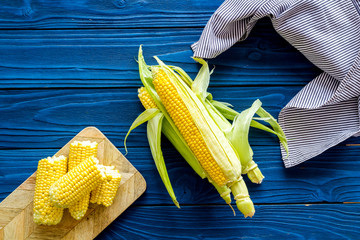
point(49, 118)
point(104, 14)
point(80, 63)
point(330, 177)
point(106, 58)
point(298, 222)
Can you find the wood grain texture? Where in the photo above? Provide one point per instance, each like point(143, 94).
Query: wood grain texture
point(106, 58)
point(17, 216)
point(330, 177)
point(30, 119)
point(77, 58)
point(104, 14)
point(296, 222)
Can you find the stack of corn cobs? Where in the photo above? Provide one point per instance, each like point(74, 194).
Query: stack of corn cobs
point(199, 128)
point(73, 183)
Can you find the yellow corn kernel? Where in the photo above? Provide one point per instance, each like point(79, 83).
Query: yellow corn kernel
point(78, 182)
point(105, 192)
point(79, 209)
point(148, 102)
point(146, 99)
point(181, 117)
point(80, 151)
point(49, 171)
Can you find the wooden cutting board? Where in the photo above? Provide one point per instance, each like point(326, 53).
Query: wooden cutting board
point(16, 211)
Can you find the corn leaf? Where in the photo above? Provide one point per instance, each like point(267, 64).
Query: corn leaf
point(154, 137)
point(169, 128)
point(202, 80)
point(275, 125)
point(146, 78)
point(215, 138)
point(209, 96)
point(230, 114)
point(143, 117)
point(183, 75)
point(239, 133)
point(181, 146)
point(224, 109)
point(145, 74)
point(248, 167)
point(225, 104)
point(190, 158)
point(261, 119)
point(220, 120)
point(260, 126)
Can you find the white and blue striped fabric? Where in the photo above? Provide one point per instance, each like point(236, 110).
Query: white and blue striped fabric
point(326, 111)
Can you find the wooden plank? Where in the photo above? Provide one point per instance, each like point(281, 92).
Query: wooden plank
point(16, 217)
point(104, 14)
point(330, 177)
point(335, 221)
point(106, 58)
point(35, 122)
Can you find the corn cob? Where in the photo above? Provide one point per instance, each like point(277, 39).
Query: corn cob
point(105, 192)
point(75, 184)
point(185, 113)
point(201, 133)
point(237, 133)
point(148, 103)
point(182, 118)
point(145, 98)
point(49, 171)
point(80, 151)
point(200, 139)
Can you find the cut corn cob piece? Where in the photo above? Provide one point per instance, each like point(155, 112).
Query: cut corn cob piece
point(79, 209)
point(78, 182)
point(49, 171)
point(80, 151)
point(105, 192)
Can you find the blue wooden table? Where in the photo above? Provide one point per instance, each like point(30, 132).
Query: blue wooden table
point(66, 65)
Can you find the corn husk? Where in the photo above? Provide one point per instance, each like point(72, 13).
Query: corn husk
point(211, 118)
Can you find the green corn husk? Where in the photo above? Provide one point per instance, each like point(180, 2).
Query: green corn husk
point(220, 148)
point(229, 113)
point(209, 113)
point(237, 132)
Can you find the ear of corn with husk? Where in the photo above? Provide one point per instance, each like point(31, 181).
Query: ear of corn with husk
point(182, 109)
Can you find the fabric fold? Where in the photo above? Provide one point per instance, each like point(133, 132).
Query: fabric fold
point(231, 23)
point(326, 111)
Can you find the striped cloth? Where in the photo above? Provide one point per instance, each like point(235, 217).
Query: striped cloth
point(326, 111)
